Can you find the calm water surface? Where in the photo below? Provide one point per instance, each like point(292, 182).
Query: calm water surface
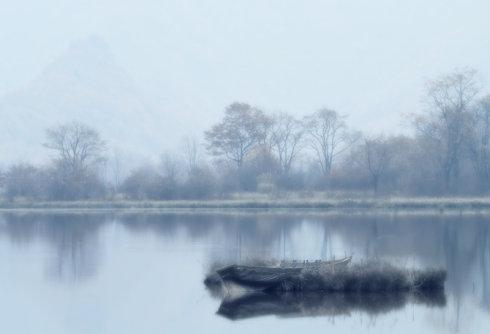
point(109, 273)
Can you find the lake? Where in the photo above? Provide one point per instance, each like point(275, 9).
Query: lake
point(143, 273)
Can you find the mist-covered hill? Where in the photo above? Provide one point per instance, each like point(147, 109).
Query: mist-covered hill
point(85, 84)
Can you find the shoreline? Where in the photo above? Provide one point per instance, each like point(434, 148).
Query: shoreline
point(326, 205)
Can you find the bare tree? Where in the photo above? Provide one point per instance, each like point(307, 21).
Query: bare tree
point(190, 151)
point(169, 166)
point(285, 140)
point(328, 137)
point(242, 129)
point(450, 98)
point(116, 168)
point(378, 157)
point(79, 151)
point(23, 180)
point(78, 147)
point(143, 183)
point(171, 176)
point(479, 142)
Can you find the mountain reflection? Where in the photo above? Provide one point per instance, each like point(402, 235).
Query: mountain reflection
point(322, 304)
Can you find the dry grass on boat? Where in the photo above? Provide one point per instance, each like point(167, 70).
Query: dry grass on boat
point(371, 276)
point(366, 277)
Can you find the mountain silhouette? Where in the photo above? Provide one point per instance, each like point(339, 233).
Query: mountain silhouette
point(84, 84)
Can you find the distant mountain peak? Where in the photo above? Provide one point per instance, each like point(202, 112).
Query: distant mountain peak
point(92, 47)
point(86, 84)
point(86, 59)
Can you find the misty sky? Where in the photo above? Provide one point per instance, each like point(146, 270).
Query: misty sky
point(190, 58)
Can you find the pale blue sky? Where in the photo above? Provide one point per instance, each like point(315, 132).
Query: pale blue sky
point(368, 59)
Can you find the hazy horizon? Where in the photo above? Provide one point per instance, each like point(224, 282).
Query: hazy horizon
point(186, 60)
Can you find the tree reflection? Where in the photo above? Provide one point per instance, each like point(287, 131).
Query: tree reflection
point(459, 243)
point(74, 239)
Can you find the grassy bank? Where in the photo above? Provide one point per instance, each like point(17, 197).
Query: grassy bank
point(442, 204)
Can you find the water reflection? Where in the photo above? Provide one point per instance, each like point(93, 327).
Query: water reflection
point(323, 304)
point(73, 238)
point(78, 247)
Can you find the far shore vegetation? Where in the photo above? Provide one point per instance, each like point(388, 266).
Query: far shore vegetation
point(253, 158)
point(319, 202)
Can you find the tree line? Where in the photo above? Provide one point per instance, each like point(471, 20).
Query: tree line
point(251, 150)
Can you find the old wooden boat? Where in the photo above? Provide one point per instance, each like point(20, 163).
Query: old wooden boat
point(261, 277)
point(256, 277)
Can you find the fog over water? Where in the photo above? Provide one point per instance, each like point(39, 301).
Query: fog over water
point(102, 273)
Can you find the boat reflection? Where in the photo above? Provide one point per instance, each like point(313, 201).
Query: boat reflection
point(255, 304)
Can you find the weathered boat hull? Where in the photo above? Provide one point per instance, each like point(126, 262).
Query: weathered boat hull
point(273, 277)
point(257, 277)
point(366, 277)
